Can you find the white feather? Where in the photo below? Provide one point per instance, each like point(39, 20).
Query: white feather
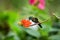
point(34, 27)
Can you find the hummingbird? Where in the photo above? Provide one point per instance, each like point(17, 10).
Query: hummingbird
point(31, 22)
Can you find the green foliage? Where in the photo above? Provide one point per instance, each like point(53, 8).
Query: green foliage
point(20, 9)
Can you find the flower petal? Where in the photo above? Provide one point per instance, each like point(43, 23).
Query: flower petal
point(32, 2)
point(25, 23)
point(42, 1)
point(41, 6)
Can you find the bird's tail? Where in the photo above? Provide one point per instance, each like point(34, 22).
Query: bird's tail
point(40, 25)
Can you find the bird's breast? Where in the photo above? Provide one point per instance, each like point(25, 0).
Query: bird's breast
point(35, 27)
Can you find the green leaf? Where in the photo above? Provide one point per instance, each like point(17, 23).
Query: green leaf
point(56, 37)
point(31, 32)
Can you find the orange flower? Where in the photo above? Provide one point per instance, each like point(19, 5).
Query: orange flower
point(25, 23)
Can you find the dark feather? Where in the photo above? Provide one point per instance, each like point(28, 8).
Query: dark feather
point(35, 20)
point(40, 25)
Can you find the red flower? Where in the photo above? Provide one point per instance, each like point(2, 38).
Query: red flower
point(40, 5)
point(32, 2)
point(25, 23)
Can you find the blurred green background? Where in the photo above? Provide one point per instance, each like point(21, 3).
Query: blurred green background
point(12, 11)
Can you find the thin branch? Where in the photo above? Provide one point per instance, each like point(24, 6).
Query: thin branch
point(44, 21)
point(55, 15)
